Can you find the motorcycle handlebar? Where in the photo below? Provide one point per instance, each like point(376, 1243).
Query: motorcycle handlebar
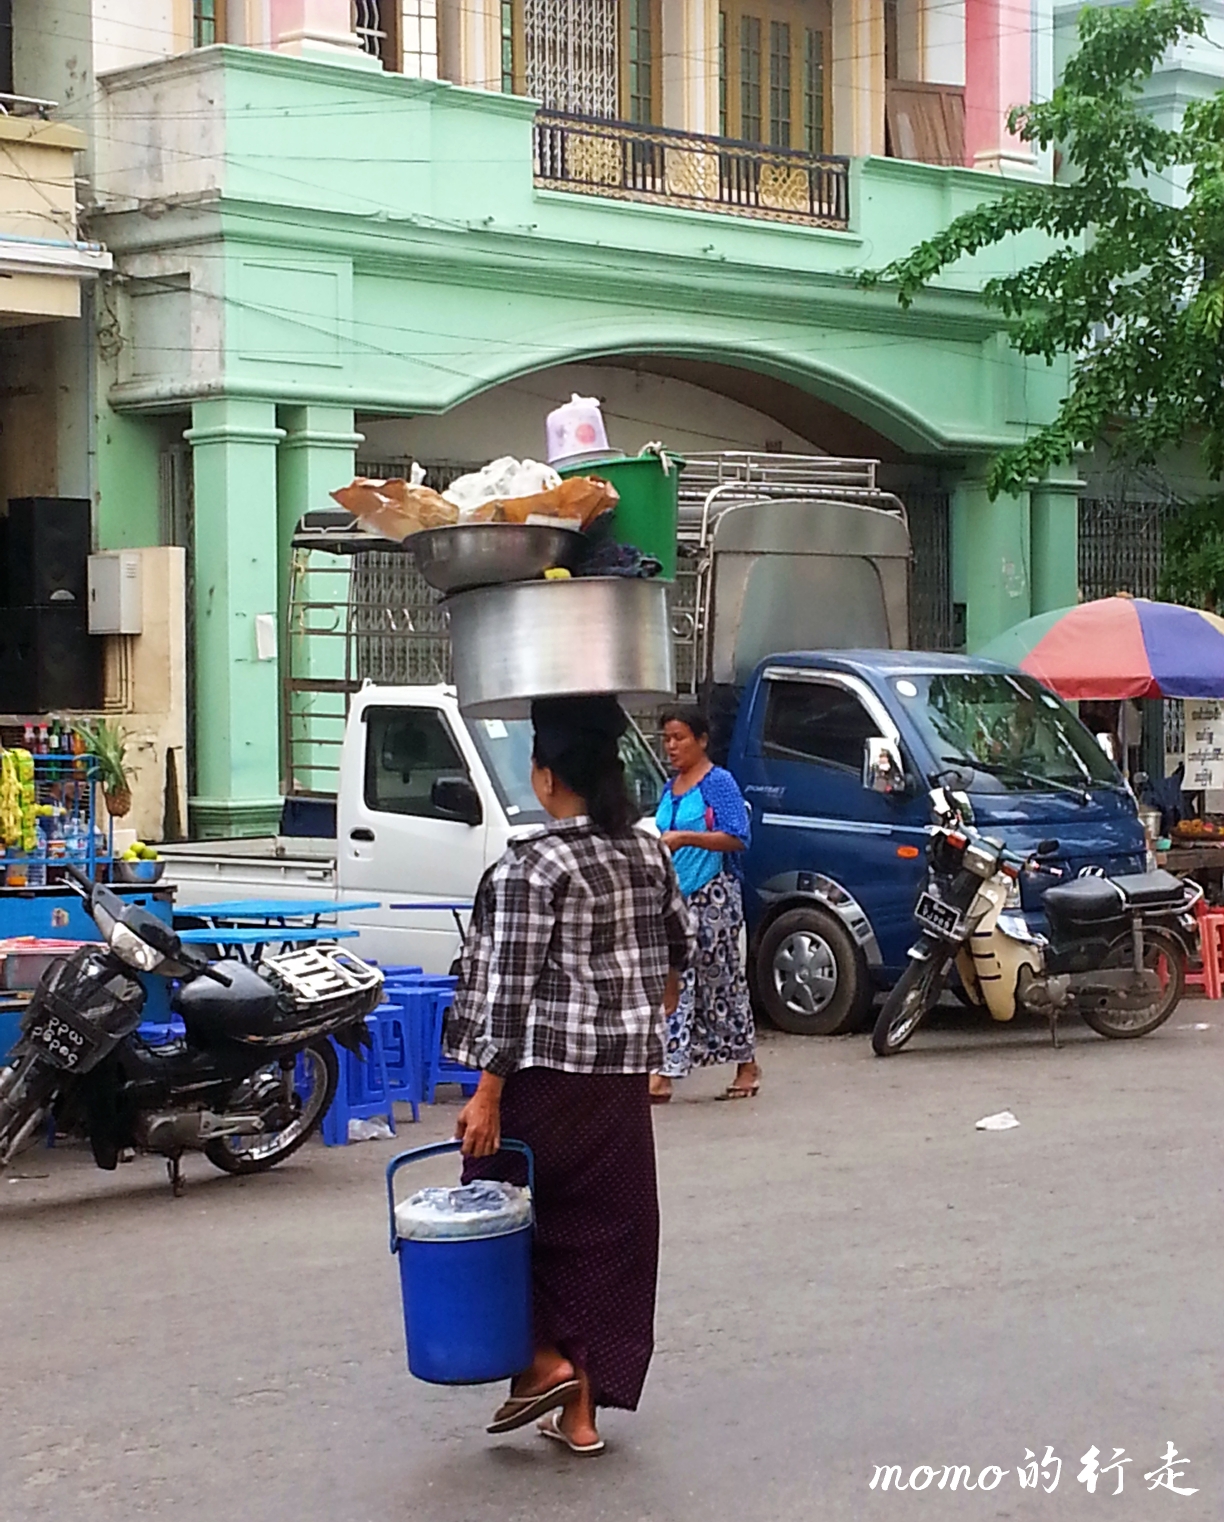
point(218, 977)
point(82, 883)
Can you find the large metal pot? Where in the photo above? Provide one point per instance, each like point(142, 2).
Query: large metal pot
point(533, 639)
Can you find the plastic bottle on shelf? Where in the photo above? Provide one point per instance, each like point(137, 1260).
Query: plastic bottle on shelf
point(36, 871)
point(41, 746)
point(27, 738)
point(57, 845)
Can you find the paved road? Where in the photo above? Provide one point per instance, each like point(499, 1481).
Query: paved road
point(852, 1276)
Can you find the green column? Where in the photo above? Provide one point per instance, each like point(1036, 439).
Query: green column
point(316, 457)
point(237, 768)
point(990, 559)
point(1054, 514)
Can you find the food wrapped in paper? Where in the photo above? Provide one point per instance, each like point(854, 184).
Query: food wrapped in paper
point(395, 509)
point(580, 499)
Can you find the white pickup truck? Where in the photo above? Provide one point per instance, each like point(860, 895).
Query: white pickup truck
point(427, 800)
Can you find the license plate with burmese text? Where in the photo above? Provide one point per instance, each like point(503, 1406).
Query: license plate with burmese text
point(940, 917)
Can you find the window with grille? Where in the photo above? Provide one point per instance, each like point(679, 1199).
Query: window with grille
point(750, 79)
point(813, 91)
point(206, 22)
point(418, 49)
point(507, 47)
point(377, 25)
point(722, 74)
point(779, 84)
point(771, 63)
point(641, 61)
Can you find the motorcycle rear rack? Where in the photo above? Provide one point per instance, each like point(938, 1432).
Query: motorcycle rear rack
point(321, 974)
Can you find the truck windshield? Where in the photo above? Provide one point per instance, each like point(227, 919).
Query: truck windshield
point(1020, 734)
point(505, 748)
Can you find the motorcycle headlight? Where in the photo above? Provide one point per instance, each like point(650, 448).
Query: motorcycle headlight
point(136, 953)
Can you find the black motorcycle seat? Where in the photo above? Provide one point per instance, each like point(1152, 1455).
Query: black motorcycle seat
point(1086, 901)
point(211, 1011)
point(1152, 890)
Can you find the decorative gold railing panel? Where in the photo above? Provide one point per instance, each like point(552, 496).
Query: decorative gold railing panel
point(598, 156)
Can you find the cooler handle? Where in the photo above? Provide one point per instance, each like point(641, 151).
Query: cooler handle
point(439, 1149)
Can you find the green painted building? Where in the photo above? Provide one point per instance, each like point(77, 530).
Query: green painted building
point(320, 260)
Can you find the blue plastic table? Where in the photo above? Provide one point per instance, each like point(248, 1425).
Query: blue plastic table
point(455, 908)
point(279, 909)
point(258, 936)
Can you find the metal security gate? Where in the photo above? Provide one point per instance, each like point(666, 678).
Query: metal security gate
point(570, 55)
point(932, 626)
point(1120, 545)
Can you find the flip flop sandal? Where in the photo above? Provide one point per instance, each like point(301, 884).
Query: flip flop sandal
point(740, 1091)
point(661, 1099)
point(521, 1409)
point(549, 1428)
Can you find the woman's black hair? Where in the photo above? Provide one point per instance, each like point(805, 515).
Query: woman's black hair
point(576, 738)
point(692, 717)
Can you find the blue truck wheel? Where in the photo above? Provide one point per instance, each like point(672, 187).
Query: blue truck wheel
point(811, 979)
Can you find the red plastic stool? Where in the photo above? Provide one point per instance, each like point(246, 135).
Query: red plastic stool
point(1211, 947)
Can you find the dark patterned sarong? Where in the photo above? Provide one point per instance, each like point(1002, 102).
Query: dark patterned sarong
point(595, 1257)
point(713, 1020)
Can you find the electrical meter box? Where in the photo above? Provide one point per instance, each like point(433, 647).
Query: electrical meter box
point(114, 592)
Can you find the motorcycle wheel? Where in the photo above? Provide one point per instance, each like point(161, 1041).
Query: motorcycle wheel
point(1165, 955)
point(256, 1154)
point(914, 995)
point(27, 1088)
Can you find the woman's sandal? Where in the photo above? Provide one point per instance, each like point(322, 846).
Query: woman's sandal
point(549, 1428)
point(741, 1091)
point(518, 1410)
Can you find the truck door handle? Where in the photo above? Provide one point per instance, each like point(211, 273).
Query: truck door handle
point(361, 833)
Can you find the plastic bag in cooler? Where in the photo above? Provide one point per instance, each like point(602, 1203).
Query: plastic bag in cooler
point(486, 1208)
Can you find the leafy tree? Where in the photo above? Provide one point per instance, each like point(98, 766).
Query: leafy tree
point(1133, 290)
point(1192, 553)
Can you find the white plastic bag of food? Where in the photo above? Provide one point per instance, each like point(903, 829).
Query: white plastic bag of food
point(498, 481)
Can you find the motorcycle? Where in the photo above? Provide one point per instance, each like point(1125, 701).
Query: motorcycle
point(1116, 953)
point(247, 1085)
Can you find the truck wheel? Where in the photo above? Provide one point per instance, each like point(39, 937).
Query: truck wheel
point(811, 978)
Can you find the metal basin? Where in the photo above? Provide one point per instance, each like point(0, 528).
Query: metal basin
point(534, 639)
point(465, 555)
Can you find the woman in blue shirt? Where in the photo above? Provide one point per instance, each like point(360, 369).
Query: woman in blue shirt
point(704, 823)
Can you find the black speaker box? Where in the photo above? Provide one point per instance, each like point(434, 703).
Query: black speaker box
point(49, 660)
point(47, 551)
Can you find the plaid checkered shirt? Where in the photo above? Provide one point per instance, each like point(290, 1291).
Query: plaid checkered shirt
point(573, 933)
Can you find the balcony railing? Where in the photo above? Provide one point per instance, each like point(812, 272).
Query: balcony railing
point(598, 157)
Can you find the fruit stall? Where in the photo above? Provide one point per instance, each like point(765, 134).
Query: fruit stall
point(52, 780)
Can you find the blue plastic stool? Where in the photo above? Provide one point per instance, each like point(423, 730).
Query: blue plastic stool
point(401, 1048)
point(441, 993)
point(364, 1088)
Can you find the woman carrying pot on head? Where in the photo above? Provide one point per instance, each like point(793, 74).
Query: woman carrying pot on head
point(578, 940)
point(704, 823)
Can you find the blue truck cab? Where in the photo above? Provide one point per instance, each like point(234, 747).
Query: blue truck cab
point(836, 861)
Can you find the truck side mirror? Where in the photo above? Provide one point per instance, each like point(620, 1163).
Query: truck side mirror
point(456, 798)
point(883, 769)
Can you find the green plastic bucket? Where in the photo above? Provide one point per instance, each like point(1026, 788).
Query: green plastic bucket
point(646, 515)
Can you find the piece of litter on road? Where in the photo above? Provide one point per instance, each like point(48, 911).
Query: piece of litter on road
point(1198, 1027)
point(368, 1130)
point(1003, 1121)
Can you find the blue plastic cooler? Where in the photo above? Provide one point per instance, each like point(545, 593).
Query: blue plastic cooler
point(467, 1299)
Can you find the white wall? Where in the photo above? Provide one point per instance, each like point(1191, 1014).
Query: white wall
point(637, 409)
